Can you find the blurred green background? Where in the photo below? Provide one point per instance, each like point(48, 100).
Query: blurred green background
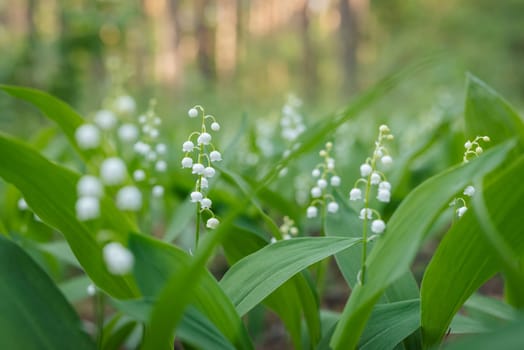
point(245, 56)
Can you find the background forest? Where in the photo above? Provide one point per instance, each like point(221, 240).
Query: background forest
point(246, 56)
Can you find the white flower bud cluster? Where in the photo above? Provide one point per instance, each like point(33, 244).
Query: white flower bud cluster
point(326, 177)
point(473, 148)
point(199, 156)
point(90, 189)
point(288, 229)
point(151, 151)
point(89, 136)
point(370, 177)
point(460, 202)
point(292, 123)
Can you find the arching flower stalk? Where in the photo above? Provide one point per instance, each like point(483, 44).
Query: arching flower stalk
point(473, 148)
point(199, 156)
point(370, 178)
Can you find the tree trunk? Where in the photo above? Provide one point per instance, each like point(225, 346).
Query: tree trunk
point(349, 32)
point(205, 41)
point(310, 76)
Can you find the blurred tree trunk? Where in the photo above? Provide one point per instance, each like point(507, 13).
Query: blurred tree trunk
point(226, 37)
point(242, 20)
point(351, 12)
point(177, 38)
point(165, 31)
point(205, 40)
point(310, 75)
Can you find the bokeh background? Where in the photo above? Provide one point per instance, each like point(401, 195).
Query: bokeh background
point(243, 57)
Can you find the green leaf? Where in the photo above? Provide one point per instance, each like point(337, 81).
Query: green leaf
point(50, 191)
point(156, 262)
point(28, 301)
point(53, 108)
point(463, 325)
point(290, 300)
point(61, 251)
point(394, 252)
point(195, 328)
point(199, 331)
point(491, 307)
point(389, 324)
point(465, 259)
point(253, 278)
point(116, 332)
point(180, 220)
point(487, 113)
point(508, 338)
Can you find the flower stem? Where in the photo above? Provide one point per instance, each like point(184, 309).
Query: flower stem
point(366, 206)
point(323, 264)
point(197, 230)
point(99, 316)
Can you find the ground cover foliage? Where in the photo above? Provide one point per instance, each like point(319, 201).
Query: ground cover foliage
point(120, 236)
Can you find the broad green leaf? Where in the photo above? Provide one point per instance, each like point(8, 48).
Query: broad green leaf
point(491, 307)
point(394, 252)
point(295, 294)
point(53, 108)
point(157, 261)
point(199, 331)
point(50, 191)
point(467, 325)
point(29, 300)
point(195, 328)
point(507, 258)
point(290, 300)
point(253, 278)
point(389, 324)
point(465, 259)
point(487, 113)
point(507, 338)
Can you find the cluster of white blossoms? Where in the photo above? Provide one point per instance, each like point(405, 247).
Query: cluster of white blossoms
point(326, 177)
point(199, 156)
point(151, 152)
point(473, 148)
point(113, 171)
point(460, 202)
point(89, 135)
point(292, 123)
point(90, 189)
point(288, 229)
point(371, 177)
